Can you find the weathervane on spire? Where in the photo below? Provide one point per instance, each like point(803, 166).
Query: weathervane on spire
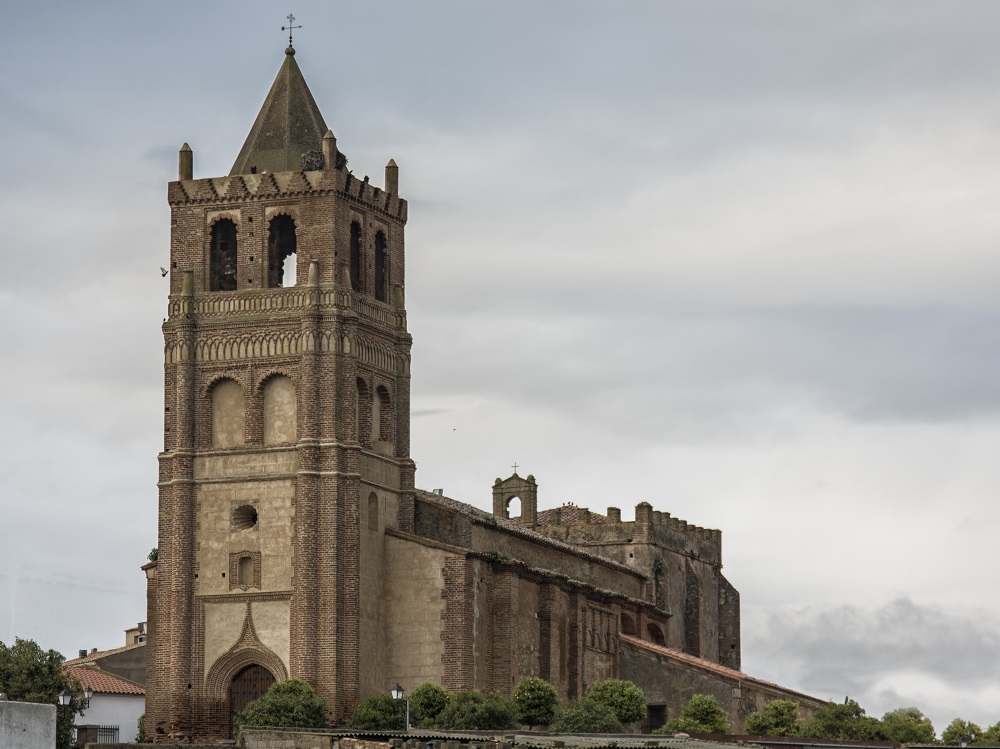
point(289, 27)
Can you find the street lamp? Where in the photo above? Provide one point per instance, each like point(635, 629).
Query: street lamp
point(65, 696)
point(87, 694)
point(397, 694)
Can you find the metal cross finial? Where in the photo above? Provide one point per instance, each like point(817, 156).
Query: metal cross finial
point(289, 27)
point(515, 467)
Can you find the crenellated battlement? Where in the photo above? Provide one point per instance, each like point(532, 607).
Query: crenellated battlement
point(242, 188)
point(583, 526)
point(570, 515)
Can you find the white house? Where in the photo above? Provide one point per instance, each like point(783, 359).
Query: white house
point(116, 703)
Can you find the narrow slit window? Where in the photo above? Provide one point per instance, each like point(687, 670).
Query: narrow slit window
point(380, 252)
point(245, 578)
point(355, 266)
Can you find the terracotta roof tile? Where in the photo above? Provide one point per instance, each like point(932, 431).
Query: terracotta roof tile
point(716, 668)
point(102, 682)
point(91, 657)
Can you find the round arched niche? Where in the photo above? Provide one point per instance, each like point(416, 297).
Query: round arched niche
point(245, 517)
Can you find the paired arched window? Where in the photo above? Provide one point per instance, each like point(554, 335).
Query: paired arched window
point(281, 247)
point(355, 259)
point(380, 266)
point(223, 256)
point(279, 412)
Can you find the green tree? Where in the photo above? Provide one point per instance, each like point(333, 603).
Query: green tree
point(287, 704)
point(989, 737)
point(470, 711)
point(907, 725)
point(624, 697)
point(30, 674)
point(844, 721)
point(586, 716)
point(778, 718)
point(960, 729)
point(427, 700)
point(379, 712)
point(701, 714)
point(140, 734)
point(536, 701)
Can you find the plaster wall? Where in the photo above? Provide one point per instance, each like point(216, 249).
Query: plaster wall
point(122, 710)
point(216, 537)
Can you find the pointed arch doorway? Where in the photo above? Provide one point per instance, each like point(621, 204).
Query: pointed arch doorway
point(248, 684)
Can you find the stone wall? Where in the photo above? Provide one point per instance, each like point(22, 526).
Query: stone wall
point(671, 682)
point(27, 725)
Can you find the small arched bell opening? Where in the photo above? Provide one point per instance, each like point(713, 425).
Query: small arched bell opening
point(223, 256)
point(281, 246)
point(655, 634)
point(514, 507)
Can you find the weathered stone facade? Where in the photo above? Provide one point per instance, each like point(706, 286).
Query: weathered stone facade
point(292, 540)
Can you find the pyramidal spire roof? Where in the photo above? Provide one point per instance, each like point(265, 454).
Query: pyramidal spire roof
point(288, 125)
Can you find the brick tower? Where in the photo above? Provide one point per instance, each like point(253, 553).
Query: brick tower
point(286, 426)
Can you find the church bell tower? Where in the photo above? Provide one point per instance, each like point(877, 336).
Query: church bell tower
point(286, 426)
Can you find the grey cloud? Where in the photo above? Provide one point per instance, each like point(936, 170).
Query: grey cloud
point(885, 657)
point(866, 363)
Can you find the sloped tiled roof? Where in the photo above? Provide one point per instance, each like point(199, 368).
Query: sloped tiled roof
point(91, 657)
point(102, 682)
point(715, 668)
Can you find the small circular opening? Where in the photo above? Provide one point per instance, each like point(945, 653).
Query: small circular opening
point(244, 518)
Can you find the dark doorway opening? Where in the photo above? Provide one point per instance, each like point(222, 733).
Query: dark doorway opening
point(249, 684)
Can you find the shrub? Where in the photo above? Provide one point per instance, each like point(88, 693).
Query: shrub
point(701, 714)
point(778, 718)
point(624, 697)
point(843, 721)
point(470, 711)
point(287, 704)
point(586, 716)
point(426, 703)
point(536, 701)
point(379, 711)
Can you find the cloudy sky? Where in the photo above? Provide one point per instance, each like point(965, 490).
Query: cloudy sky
point(737, 260)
